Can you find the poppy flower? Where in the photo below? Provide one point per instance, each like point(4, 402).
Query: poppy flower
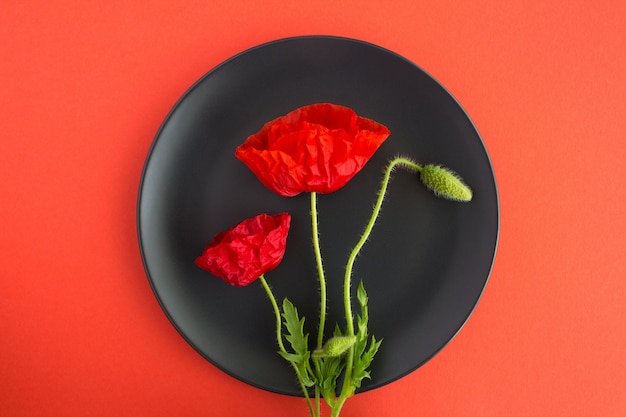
point(316, 148)
point(243, 253)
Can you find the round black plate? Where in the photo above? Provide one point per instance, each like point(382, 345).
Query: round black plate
point(426, 263)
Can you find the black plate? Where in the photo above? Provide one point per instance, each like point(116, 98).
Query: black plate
point(426, 263)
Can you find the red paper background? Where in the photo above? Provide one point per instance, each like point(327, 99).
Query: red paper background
point(84, 87)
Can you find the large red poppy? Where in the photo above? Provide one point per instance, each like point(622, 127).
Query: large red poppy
point(243, 253)
point(316, 148)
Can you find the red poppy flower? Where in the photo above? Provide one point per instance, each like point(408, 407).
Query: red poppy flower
point(316, 148)
point(243, 253)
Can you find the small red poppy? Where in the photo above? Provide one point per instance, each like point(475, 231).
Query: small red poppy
point(243, 253)
point(316, 148)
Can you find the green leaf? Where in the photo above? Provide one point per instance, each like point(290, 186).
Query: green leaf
point(363, 355)
point(295, 328)
point(329, 371)
point(361, 295)
point(362, 319)
point(299, 342)
point(291, 357)
point(364, 361)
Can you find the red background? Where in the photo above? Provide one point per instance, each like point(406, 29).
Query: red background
point(84, 87)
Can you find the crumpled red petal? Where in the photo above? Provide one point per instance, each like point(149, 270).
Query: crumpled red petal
point(316, 148)
point(243, 253)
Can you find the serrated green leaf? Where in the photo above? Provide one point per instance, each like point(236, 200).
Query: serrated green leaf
point(363, 318)
point(363, 355)
point(306, 380)
point(299, 342)
point(361, 294)
point(363, 361)
point(362, 323)
point(291, 357)
point(295, 329)
point(330, 370)
point(367, 357)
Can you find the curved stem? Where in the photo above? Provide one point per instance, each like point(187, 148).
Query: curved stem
point(270, 295)
point(279, 339)
point(399, 161)
point(347, 388)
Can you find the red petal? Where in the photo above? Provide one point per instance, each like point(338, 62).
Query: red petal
point(316, 148)
point(243, 253)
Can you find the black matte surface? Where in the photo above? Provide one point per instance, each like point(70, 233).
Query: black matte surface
point(426, 263)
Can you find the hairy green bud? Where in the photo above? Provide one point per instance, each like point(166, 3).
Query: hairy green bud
point(335, 346)
point(445, 183)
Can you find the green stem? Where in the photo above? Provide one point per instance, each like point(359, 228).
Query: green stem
point(270, 295)
point(399, 161)
point(334, 412)
point(320, 270)
point(322, 283)
point(348, 389)
point(279, 339)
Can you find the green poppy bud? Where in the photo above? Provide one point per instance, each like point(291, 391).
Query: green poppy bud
point(445, 183)
point(335, 346)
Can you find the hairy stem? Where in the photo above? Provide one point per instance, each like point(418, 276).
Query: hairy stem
point(320, 270)
point(348, 388)
point(399, 161)
point(279, 339)
point(322, 283)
